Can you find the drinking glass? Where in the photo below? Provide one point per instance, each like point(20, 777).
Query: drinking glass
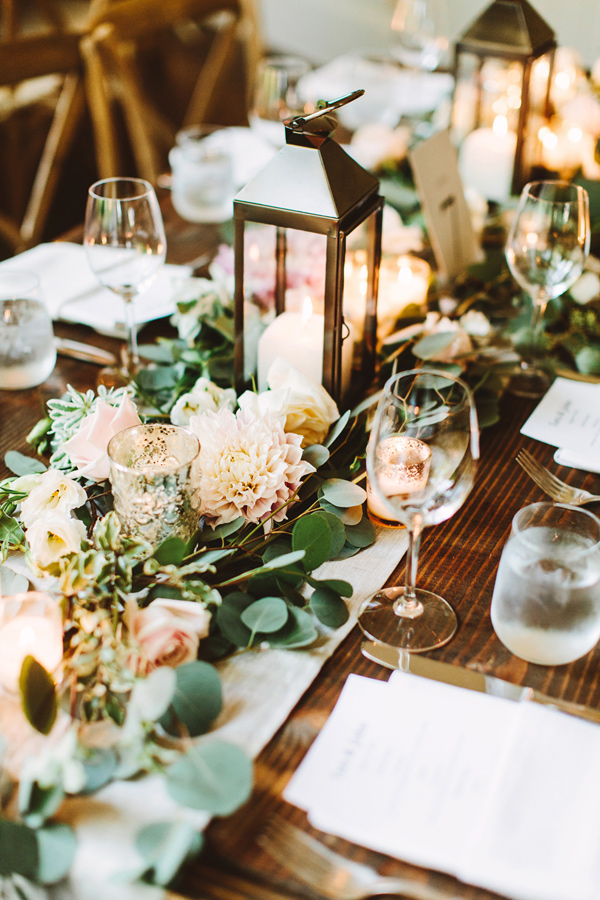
point(27, 349)
point(546, 249)
point(275, 98)
point(421, 27)
point(125, 241)
point(421, 460)
point(546, 602)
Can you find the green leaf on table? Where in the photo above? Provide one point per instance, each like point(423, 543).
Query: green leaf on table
point(56, 849)
point(164, 848)
point(337, 429)
point(37, 804)
point(100, 765)
point(347, 551)
point(299, 631)
point(229, 618)
point(317, 455)
point(348, 515)
point(328, 607)
point(38, 695)
point(23, 465)
point(587, 360)
point(361, 535)
point(344, 588)
point(198, 698)
point(343, 493)
point(215, 777)
point(338, 532)
point(312, 534)
point(266, 615)
point(11, 582)
point(18, 850)
point(160, 353)
point(170, 552)
point(433, 344)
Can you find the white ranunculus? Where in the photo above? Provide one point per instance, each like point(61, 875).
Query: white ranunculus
point(586, 288)
point(54, 492)
point(307, 407)
point(52, 536)
point(205, 395)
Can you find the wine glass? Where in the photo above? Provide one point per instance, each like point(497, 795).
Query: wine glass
point(275, 95)
point(546, 249)
point(421, 26)
point(124, 238)
point(421, 460)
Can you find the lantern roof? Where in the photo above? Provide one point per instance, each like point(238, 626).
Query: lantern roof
point(311, 183)
point(508, 28)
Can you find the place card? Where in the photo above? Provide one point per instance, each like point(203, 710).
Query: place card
point(462, 782)
point(434, 164)
point(568, 416)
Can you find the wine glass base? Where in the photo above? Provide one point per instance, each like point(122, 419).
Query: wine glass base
point(431, 627)
point(529, 381)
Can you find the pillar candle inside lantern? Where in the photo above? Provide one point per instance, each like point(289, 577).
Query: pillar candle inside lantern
point(297, 337)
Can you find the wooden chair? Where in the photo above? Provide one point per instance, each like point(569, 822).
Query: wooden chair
point(120, 102)
point(55, 60)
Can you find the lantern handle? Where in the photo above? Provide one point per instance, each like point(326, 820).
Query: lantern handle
point(298, 122)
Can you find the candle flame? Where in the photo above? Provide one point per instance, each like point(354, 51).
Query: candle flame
point(254, 253)
point(575, 134)
point(307, 310)
point(362, 287)
point(548, 138)
point(500, 126)
point(404, 272)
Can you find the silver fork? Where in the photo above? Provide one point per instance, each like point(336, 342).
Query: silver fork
point(551, 485)
point(332, 875)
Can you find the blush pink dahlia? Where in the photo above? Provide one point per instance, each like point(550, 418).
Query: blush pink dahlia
point(248, 466)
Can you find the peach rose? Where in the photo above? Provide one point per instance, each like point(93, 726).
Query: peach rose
point(87, 448)
point(168, 632)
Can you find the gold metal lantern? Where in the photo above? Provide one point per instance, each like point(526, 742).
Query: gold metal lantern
point(503, 71)
point(313, 185)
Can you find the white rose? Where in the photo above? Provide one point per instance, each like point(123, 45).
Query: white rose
point(52, 536)
point(475, 323)
point(585, 288)
point(53, 492)
point(307, 407)
point(205, 395)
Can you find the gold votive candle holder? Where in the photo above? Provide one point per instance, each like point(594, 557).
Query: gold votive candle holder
point(401, 470)
point(152, 477)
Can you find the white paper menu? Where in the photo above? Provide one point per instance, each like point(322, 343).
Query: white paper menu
point(501, 794)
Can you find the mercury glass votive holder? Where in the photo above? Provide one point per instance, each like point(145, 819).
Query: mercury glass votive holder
point(152, 477)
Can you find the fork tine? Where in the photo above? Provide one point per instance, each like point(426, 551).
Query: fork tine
point(544, 479)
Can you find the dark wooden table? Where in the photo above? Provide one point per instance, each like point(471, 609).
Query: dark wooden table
point(458, 559)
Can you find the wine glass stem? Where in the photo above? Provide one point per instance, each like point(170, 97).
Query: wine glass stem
point(408, 606)
point(133, 358)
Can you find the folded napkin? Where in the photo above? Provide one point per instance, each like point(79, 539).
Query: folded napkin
point(72, 293)
point(589, 462)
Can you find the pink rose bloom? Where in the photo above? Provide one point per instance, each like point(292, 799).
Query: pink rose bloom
point(87, 448)
point(168, 633)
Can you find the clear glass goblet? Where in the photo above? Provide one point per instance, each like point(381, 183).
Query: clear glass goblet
point(421, 461)
point(546, 250)
point(124, 237)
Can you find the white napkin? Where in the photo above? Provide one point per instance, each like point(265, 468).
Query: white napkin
point(71, 291)
point(589, 462)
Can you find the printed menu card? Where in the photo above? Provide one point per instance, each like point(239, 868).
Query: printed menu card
point(501, 794)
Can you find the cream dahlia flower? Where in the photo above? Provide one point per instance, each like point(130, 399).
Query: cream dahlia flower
point(248, 466)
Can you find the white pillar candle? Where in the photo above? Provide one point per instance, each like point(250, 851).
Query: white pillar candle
point(402, 469)
point(298, 339)
point(487, 159)
point(30, 625)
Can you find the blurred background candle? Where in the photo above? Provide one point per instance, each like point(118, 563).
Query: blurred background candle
point(487, 159)
point(30, 625)
point(298, 338)
point(403, 468)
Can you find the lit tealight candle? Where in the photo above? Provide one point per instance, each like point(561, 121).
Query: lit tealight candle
point(30, 625)
point(402, 470)
point(298, 338)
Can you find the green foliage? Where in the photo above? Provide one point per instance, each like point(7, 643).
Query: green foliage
point(164, 848)
point(197, 700)
point(215, 777)
point(20, 464)
point(38, 695)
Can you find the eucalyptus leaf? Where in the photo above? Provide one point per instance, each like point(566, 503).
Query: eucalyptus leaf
point(11, 582)
point(223, 531)
point(170, 552)
point(164, 847)
point(337, 429)
point(317, 455)
point(328, 607)
point(100, 765)
point(159, 378)
point(432, 345)
point(56, 850)
point(10, 530)
point(347, 551)
point(198, 698)
point(229, 618)
point(266, 615)
point(344, 588)
point(587, 360)
point(18, 850)
point(299, 631)
point(312, 534)
point(215, 777)
point(160, 353)
point(348, 515)
point(38, 695)
point(361, 535)
point(343, 493)
point(23, 465)
point(37, 804)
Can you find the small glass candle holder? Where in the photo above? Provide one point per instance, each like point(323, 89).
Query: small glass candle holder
point(402, 469)
point(151, 472)
point(30, 625)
